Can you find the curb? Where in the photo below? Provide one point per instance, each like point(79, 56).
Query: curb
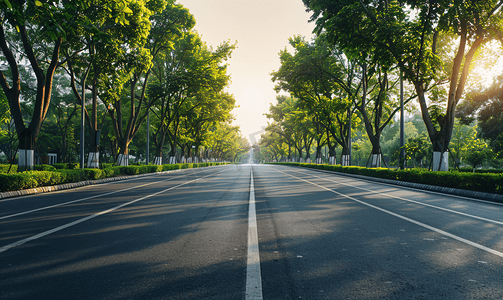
point(426, 187)
point(66, 186)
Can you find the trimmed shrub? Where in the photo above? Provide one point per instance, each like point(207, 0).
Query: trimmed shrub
point(68, 176)
point(60, 173)
point(4, 168)
point(482, 182)
point(60, 166)
point(94, 174)
point(106, 165)
point(18, 181)
point(44, 168)
point(170, 167)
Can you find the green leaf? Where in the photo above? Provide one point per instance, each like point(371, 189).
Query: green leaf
point(8, 4)
point(127, 10)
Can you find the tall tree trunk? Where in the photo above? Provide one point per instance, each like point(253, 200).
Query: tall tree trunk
point(159, 139)
point(27, 135)
point(440, 139)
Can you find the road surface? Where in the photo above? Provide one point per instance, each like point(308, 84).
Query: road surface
point(249, 232)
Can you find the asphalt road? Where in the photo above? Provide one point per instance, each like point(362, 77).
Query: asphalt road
point(249, 232)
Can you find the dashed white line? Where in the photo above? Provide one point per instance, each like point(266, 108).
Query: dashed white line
point(253, 276)
point(48, 232)
point(83, 199)
point(468, 242)
point(411, 201)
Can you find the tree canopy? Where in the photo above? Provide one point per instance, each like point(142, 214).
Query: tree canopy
point(111, 52)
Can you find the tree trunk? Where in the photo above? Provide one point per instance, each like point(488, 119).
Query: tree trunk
point(440, 139)
point(94, 152)
point(28, 135)
point(159, 139)
point(331, 150)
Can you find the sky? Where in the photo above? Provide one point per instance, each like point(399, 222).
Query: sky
point(261, 30)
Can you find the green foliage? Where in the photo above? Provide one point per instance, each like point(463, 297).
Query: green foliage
point(489, 183)
point(487, 108)
point(481, 171)
point(417, 148)
point(4, 168)
point(32, 179)
point(415, 37)
point(68, 166)
point(324, 84)
point(44, 168)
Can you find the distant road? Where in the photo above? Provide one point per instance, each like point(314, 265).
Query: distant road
point(249, 232)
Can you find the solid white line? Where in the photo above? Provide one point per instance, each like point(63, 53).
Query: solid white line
point(45, 233)
point(409, 200)
point(253, 277)
point(83, 199)
point(468, 242)
point(86, 186)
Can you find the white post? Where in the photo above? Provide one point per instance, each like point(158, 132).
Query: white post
point(376, 161)
point(345, 160)
point(26, 159)
point(93, 160)
point(123, 160)
point(440, 166)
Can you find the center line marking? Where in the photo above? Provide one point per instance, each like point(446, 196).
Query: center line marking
point(253, 277)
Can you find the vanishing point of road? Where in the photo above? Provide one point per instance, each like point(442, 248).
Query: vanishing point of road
point(249, 232)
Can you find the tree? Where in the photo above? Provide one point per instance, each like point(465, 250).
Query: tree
point(313, 76)
point(475, 150)
point(7, 130)
point(291, 123)
point(109, 49)
point(417, 149)
point(168, 24)
point(179, 76)
point(20, 22)
point(390, 34)
point(486, 107)
point(277, 114)
point(209, 107)
point(225, 142)
point(273, 146)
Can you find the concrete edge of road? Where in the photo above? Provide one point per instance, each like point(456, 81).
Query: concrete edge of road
point(66, 186)
point(432, 188)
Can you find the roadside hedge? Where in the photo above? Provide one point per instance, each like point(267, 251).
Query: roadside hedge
point(46, 175)
point(480, 182)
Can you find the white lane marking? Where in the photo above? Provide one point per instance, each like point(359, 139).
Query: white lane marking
point(409, 200)
point(87, 186)
point(45, 233)
point(468, 242)
point(253, 277)
point(83, 199)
